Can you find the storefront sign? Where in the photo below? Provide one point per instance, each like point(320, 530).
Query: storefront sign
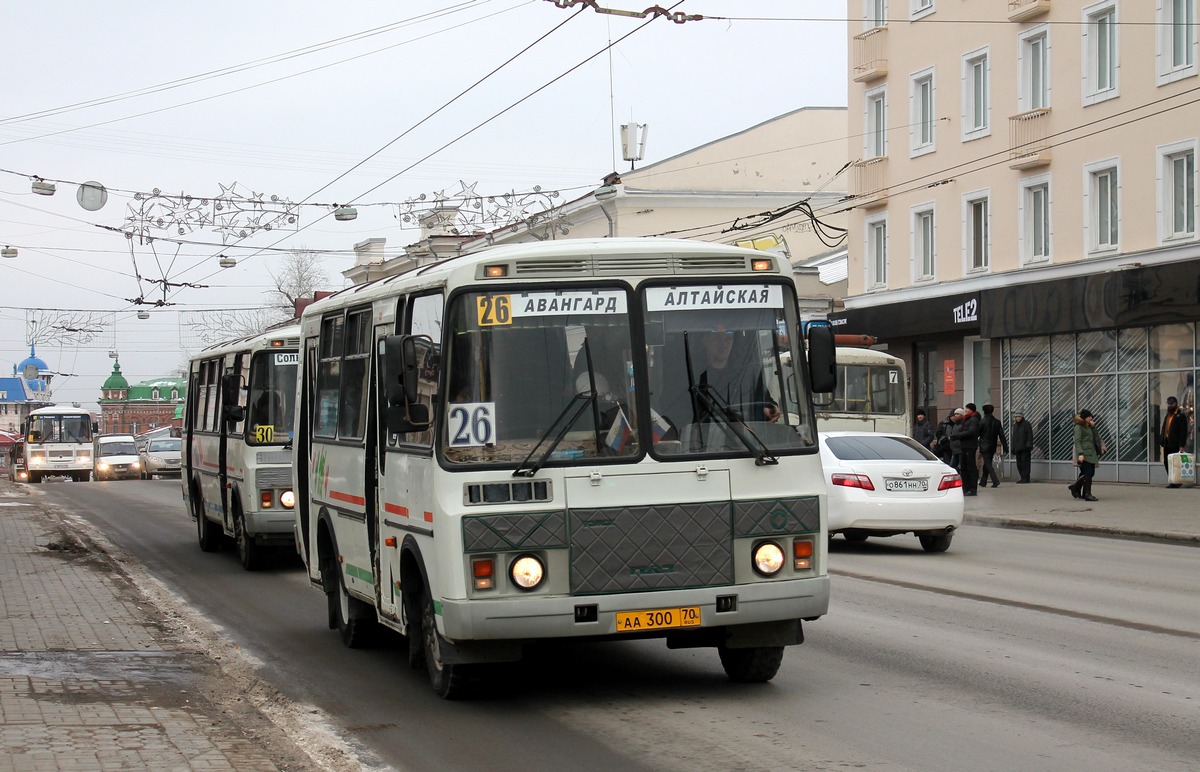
point(949, 377)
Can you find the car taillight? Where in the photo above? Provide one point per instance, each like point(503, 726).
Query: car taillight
point(949, 481)
point(853, 481)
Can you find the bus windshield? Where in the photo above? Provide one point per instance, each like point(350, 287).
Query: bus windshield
point(869, 389)
point(272, 398)
point(720, 368)
point(556, 372)
point(60, 428)
point(524, 363)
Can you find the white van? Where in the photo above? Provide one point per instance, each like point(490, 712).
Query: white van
point(116, 458)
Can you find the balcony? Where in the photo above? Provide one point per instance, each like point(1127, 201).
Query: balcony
point(1024, 10)
point(1027, 138)
point(869, 182)
point(870, 55)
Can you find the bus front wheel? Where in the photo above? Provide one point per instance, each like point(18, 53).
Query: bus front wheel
point(450, 682)
point(750, 666)
point(206, 533)
point(249, 553)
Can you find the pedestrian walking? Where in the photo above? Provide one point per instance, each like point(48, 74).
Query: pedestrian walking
point(991, 439)
point(1174, 434)
point(1022, 445)
point(922, 430)
point(1088, 449)
point(966, 432)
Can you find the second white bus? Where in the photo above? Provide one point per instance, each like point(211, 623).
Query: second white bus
point(871, 394)
point(237, 443)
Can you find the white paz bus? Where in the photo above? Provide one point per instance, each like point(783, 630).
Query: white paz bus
point(575, 439)
point(58, 441)
point(871, 393)
point(236, 468)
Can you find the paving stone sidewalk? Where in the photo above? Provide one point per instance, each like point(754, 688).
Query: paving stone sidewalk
point(94, 677)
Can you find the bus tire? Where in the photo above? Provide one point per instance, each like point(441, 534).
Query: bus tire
point(207, 535)
point(751, 666)
point(249, 553)
point(353, 624)
point(450, 682)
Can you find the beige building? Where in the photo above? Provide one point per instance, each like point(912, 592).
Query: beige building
point(1023, 222)
point(800, 156)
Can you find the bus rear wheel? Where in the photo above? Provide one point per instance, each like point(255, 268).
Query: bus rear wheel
point(449, 682)
point(750, 666)
point(206, 534)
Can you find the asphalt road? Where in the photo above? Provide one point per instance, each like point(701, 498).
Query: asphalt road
point(1015, 649)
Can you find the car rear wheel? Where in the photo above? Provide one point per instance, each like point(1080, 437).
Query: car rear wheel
point(935, 542)
point(750, 666)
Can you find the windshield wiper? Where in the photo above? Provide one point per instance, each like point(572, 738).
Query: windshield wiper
point(575, 408)
point(702, 393)
point(719, 409)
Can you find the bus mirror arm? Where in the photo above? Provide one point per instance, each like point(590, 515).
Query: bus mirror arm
point(822, 359)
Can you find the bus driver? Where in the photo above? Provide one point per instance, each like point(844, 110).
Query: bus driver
point(737, 381)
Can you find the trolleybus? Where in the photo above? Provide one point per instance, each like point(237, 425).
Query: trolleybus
point(571, 439)
point(58, 441)
point(236, 467)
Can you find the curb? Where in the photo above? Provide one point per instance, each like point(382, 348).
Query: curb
point(1085, 529)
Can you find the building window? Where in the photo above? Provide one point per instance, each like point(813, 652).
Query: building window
point(876, 118)
point(1177, 190)
point(875, 12)
point(924, 247)
point(877, 253)
point(174, 394)
point(1176, 40)
point(154, 394)
point(1103, 201)
point(1035, 219)
point(977, 231)
point(920, 8)
point(976, 117)
point(923, 119)
point(1100, 52)
point(1034, 68)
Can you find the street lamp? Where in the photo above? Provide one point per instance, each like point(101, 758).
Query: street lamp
point(8, 251)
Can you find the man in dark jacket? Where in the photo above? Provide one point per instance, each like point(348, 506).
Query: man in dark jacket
point(922, 430)
point(991, 437)
point(1022, 445)
point(945, 447)
point(966, 433)
point(1174, 435)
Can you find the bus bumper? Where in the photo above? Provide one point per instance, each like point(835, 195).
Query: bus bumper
point(532, 617)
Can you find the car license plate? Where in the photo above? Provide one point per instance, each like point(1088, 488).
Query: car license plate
point(658, 619)
point(906, 485)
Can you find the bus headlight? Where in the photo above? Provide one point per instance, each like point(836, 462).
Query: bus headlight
point(527, 572)
point(287, 499)
point(136, 465)
point(768, 558)
point(103, 467)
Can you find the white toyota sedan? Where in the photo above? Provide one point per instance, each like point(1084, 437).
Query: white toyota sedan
point(886, 484)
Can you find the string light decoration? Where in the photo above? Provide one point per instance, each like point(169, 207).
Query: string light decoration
point(469, 212)
point(234, 213)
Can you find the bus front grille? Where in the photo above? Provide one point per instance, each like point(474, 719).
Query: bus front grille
point(636, 549)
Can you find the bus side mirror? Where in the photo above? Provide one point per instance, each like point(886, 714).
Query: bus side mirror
point(231, 387)
point(400, 363)
point(404, 413)
point(822, 359)
point(95, 428)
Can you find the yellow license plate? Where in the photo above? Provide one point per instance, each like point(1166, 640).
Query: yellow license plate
point(657, 619)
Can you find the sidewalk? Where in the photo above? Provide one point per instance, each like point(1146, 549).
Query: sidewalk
point(95, 674)
point(1144, 512)
point(98, 673)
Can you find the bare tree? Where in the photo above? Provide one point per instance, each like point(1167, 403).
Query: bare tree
point(298, 275)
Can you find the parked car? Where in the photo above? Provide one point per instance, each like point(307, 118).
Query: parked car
point(115, 457)
point(161, 458)
point(881, 484)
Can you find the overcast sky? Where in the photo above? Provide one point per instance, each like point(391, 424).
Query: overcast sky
point(285, 99)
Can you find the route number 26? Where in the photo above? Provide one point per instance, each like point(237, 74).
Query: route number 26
point(471, 424)
point(494, 310)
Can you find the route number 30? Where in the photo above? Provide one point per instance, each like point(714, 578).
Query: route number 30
point(471, 424)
